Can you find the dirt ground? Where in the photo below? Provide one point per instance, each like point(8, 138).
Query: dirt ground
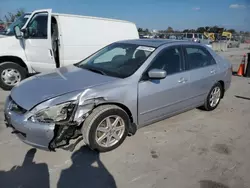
point(195, 149)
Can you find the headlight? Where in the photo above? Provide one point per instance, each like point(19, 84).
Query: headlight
point(58, 113)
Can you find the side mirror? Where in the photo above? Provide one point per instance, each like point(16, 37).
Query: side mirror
point(25, 32)
point(157, 74)
point(18, 32)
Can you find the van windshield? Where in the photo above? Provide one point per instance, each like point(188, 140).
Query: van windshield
point(117, 60)
point(20, 22)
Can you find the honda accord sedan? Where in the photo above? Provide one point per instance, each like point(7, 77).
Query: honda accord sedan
point(109, 95)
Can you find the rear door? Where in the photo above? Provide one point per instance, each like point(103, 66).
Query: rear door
point(37, 44)
point(203, 71)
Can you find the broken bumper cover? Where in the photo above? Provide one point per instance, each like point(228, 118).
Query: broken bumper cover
point(34, 134)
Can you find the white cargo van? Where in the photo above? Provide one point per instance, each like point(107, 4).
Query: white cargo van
point(49, 40)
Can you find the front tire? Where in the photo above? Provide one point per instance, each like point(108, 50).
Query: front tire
point(11, 74)
point(106, 128)
point(213, 98)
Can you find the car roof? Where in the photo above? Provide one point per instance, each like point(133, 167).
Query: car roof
point(156, 42)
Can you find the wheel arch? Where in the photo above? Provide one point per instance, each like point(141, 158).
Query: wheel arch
point(14, 59)
point(223, 87)
point(133, 126)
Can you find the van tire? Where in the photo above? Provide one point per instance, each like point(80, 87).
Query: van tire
point(93, 121)
point(21, 74)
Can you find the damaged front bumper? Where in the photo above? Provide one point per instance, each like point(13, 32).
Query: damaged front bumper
point(45, 136)
point(35, 134)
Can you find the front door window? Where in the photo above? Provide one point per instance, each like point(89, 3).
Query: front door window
point(38, 26)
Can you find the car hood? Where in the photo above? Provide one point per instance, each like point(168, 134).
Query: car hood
point(41, 87)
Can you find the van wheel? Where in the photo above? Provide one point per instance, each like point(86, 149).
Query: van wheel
point(11, 74)
point(105, 128)
point(213, 98)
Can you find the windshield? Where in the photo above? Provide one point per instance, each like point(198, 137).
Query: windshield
point(20, 22)
point(117, 60)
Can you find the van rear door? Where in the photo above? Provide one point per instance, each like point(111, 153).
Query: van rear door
point(37, 41)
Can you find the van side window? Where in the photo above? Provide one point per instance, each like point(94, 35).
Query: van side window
point(189, 35)
point(38, 26)
point(198, 57)
point(169, 60)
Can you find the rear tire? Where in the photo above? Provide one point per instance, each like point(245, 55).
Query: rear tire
point(215, 95)
point(11, 74)
point(97, 120)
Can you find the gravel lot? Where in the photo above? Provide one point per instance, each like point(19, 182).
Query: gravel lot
point(195, 149)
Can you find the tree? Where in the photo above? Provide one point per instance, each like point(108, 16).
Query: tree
point(185, 31)
point(140, 30)
point(11, 17)
point(207, 28)
point(201, 30)
point(170, 30)
point(231, 31)
point(214, 29)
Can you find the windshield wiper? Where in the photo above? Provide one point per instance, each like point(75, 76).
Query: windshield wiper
point(95, 70)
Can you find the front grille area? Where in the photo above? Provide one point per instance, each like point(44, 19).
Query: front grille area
point(14, 107)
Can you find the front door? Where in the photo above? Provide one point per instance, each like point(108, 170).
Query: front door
point(160, 98)
point(37, 42)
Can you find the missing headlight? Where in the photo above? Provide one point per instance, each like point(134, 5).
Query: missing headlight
point(57, 113)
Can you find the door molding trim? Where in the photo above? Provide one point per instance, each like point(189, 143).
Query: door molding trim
point(143, 113)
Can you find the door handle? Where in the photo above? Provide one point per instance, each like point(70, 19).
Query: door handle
point(182, 80)
point(213, 71)
point(51, 53)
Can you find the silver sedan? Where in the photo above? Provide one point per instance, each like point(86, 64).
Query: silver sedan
point(122, 87)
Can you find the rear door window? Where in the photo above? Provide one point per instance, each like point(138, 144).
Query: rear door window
point(198, 57)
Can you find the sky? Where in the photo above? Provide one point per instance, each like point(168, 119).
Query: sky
point(152, 14)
